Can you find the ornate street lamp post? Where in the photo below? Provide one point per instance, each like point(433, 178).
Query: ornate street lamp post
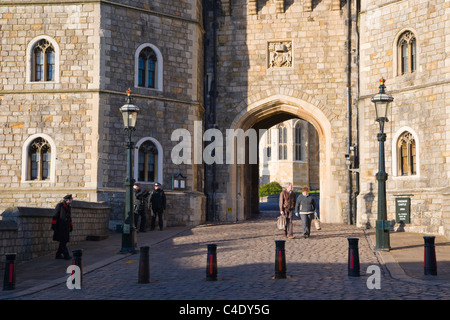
point(382, 101)
point(129, 113)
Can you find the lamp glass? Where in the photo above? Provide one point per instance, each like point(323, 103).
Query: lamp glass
point(382, 108)
point(129, 114)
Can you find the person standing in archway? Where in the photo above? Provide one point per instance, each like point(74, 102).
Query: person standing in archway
point(305, 206)
point(287, 204)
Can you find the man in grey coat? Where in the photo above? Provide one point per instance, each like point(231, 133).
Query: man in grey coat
point(305, 206)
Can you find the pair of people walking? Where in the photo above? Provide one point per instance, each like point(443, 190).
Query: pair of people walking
point(304, 205)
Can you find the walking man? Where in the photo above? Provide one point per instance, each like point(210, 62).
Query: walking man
point(287, 203)
point(62, 226)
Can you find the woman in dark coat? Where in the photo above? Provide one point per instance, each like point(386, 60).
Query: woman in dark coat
point(62, 226)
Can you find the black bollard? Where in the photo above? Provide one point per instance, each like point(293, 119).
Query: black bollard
point(211, 263)
point(77, 260)
point(280, 260)
point(353, 257)
point(9, 280)
point(144, 265)
point(429, 263)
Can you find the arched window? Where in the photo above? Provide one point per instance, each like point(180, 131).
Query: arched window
point(149, 67)
point(147, 162)
point(282, 142)
point(407, 53)
point(39, 160)
point(43, 61)
point(406, 147)
point(298, 142)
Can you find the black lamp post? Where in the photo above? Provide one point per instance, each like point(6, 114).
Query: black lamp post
point(382, 101)
point(129, 113)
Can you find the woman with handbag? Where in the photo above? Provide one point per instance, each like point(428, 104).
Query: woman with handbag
point(305, 206)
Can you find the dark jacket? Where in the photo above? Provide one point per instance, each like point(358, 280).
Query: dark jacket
point(158, 200)
point(287, 200)
point(140, 197)
point(305, 204)
point(62, 222)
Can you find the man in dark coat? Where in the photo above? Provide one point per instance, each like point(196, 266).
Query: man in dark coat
point(158, 203)
point(287, 203)
point(140, 196)
point(62, 226)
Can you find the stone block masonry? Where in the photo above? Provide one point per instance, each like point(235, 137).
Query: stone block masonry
point(27, 231)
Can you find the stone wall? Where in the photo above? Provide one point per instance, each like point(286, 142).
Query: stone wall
point(278, 60)
point(420, 107)
point(27, 232)
point(96, 44)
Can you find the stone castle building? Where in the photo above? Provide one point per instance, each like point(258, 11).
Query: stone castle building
point(229, 64)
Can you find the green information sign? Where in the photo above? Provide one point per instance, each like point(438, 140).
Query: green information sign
point(403, 210)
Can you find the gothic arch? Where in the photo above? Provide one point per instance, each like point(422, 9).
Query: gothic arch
point(160, 177)
point(25, 153)
point(159, 69)
point(276, 107)
point(29, 58)
point(395, 155)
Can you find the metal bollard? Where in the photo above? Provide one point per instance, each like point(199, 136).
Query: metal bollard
point(9, 280)
point(77, 260)
point(211, 263)
point(353, 257)
point(280, 260)
point(144, 265)
point(429, 263)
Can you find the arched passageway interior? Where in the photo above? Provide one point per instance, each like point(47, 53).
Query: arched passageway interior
point(243, 189)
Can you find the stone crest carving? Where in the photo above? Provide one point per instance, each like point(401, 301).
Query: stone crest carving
point(280, 54)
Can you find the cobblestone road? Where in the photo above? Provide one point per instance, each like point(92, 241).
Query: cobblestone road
point(316, 268)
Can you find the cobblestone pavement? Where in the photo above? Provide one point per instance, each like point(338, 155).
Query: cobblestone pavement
point(317, 268)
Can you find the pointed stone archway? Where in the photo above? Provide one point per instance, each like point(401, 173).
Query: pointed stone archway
point(262, 114)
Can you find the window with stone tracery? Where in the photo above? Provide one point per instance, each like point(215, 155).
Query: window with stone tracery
point(43, 61)
point(147, 64)
point(406, 147)
point(407, 53)
point(282, 142)
point(39, 160)
point(147, 162)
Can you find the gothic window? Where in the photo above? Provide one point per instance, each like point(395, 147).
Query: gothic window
point(268, 145)
point(39, 160)
point(282, 142)
point(147, 68)
point(297, 142)
point(43, 61)
point(407, 52)
point(406, 147)
point(148, 162)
